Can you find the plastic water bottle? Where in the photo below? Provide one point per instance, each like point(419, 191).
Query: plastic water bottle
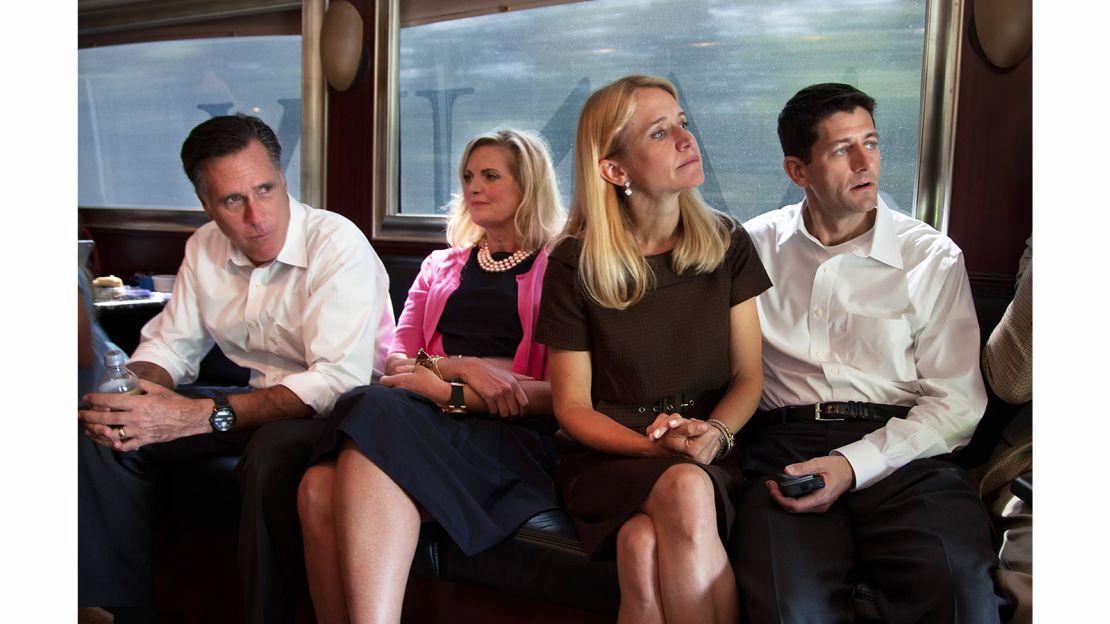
point(117, 378)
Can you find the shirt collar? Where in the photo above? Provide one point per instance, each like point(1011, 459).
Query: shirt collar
point(292, 252)
point(883, 244)
point(236, 255)
point(797, 225)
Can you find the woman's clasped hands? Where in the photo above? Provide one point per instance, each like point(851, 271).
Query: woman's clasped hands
point(691, 437)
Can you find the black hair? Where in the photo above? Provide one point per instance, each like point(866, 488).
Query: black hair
point(221, 136)
point(800, 117)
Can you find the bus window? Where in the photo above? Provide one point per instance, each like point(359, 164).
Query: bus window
point(138, 101)
point(734, 63)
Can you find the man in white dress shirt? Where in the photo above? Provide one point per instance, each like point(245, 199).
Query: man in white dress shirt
point(294, 294)
point(871, 380)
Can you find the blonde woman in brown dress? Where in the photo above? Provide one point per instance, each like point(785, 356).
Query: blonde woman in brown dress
point(649, 310)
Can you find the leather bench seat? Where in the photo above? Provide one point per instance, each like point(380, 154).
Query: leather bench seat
point(542, 560)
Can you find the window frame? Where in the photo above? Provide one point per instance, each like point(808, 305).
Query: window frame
point(936, 130)
point(151, 20)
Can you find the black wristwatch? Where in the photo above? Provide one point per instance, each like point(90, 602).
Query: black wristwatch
point(223, 417)
point(457, 403)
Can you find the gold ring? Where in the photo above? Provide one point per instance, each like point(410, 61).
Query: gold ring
point(122, 434)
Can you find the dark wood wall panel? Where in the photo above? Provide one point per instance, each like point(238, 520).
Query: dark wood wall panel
point(991, 211)
point(350, 157)
point(130, 241)
point(351, 169)
point(124, 253)
point(282, 22)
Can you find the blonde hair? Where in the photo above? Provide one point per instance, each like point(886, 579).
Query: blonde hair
point(611, 269)
point(540, 214)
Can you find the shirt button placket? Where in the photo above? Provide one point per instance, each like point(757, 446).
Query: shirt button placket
point(819, 302)
point(255, 296)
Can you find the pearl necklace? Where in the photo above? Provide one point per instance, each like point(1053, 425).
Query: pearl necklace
point(489, 265)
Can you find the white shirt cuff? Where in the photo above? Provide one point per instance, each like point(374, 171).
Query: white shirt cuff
point(150, 351)
point(868, 463)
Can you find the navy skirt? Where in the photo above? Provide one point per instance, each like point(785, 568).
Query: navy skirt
point(479, 476)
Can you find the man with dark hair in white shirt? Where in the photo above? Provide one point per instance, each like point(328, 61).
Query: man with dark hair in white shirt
point(294, 294)
point(871, 380)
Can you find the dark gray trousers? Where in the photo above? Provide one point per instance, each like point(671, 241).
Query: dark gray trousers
point(115, 506)
point(921, 537)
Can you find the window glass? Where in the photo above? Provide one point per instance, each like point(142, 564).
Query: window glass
point(138, 102)
point(735, 64)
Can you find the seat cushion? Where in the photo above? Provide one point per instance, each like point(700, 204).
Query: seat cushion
point(542, 559)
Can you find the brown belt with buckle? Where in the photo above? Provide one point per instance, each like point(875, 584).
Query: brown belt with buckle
point(842, 411)
point(638, 416)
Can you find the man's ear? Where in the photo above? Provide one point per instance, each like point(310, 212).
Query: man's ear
point(796, 170)
point(611, 172)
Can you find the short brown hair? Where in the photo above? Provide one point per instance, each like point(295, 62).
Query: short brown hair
point(800, 117)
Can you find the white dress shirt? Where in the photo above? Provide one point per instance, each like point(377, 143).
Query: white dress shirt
point(317, 320)
point(885, 318)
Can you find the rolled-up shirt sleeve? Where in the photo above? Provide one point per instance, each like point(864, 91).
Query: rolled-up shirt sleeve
point(176, 339)
point(952, 397)
point(348, 322)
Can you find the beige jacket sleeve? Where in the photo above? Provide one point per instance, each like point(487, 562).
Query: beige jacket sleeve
point(1008, 355)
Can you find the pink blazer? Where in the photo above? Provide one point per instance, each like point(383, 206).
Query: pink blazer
point(439, 277)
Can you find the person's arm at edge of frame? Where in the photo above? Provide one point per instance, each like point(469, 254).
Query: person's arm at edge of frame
point(570, 373)
point(86, 355)
point(1008, 354)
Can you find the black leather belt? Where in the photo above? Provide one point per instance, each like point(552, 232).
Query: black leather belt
point(844, 411)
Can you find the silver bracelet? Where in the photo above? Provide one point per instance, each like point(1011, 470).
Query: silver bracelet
point(727, 439)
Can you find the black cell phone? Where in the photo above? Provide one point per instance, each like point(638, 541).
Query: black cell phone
point(1022, 487)
point(799, 486)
